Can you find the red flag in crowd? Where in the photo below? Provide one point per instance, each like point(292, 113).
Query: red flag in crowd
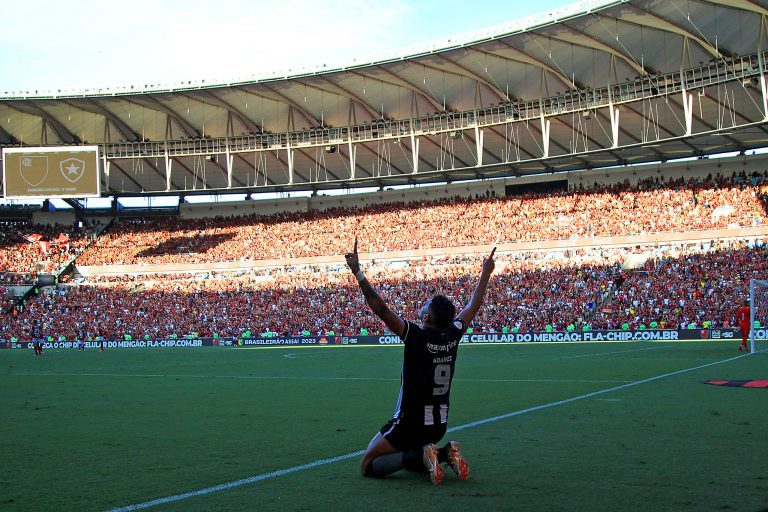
point(34, 237)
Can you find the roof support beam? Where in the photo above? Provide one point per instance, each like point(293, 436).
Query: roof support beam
point(750, 91)
point(316, 162)
point(477, 141)
point(155, 104)
point(308, 116)
point(125, 175)
point(465, 74)
point(28, 107)
point(402, 82)
point(589, 139)
point(581, 38)
point(598, 114)
point(378, 157)
point(94, 107)
point(218, 102)
point(662, 127)
point(659, 23)
point(504, 137)
point(349, 95)
point(429, 139)
point(226, 173)
point(465, 71)
point(520, 56)
point(161, 174)
point(6, 134)
point(707, 125)
point(744, 5)
point(249, 164)
point(350, 158)
point(179, 162)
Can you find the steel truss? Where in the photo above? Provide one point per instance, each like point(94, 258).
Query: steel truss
point(449, 130)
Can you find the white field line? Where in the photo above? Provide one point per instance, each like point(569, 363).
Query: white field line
point(610, 353)
point(322, 462)
point(190, 376)
point(289, 377)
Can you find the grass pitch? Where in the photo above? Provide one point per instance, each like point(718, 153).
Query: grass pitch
point(98, 431)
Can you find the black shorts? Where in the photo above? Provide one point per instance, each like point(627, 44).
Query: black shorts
point(405, 435)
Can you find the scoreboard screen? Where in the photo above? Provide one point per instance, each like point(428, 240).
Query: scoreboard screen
point(42, 173)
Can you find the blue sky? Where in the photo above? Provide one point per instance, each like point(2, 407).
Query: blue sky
point(50, 45)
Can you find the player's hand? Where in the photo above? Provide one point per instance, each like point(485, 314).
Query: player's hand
point(353, 262)
point(488, 263)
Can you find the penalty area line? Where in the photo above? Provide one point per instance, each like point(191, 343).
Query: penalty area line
point(612, 353)
point(290, 377)
point(322, 462)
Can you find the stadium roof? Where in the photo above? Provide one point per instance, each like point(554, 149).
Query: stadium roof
point(594, 84)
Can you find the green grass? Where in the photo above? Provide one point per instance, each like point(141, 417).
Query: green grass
point(94, 431)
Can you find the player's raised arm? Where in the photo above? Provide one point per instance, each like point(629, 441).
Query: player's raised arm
point(393, 322)
point(469, 312)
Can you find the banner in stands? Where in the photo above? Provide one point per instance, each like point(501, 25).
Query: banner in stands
point(532, 337)
point(390, 339)
point(177, 343)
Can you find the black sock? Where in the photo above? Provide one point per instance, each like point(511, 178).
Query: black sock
point(442, 454)
point(413, 460)
point(384, 465)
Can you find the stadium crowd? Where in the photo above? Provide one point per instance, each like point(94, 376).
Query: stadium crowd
point(27, 250)
point(529, 292)
point(5, 301)
point(695, 289)
point(651, 206)
point(567, 290)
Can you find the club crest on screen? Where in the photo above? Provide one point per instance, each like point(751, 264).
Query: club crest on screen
point(33, 169)
point(72, 169)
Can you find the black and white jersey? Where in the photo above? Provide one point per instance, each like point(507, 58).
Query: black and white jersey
point(429, 360)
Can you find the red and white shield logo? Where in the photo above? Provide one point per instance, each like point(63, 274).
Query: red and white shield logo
point(72, 169)
point(33, 169)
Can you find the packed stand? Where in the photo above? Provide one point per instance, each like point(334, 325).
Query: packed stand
point(687, 290)
point(6, 301)
point(651, 206)
point(529, 292)
point(27, 250)
point(701, 286)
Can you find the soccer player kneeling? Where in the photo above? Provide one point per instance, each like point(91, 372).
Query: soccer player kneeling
point(407, 441)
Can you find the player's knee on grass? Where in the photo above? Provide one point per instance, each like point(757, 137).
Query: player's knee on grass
point(365, 466)
point(384, 465)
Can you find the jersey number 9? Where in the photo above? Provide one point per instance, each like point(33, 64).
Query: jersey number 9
point(442, 379)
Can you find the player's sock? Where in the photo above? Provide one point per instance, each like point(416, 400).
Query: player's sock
point(384, 465)
point(442, 454)
point(413, 460)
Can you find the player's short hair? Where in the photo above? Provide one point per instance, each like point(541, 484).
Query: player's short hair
point(443, 311)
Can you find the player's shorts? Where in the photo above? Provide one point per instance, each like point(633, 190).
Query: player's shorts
point(405, 435)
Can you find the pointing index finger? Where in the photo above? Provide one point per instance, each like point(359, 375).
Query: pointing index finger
point(355, 250)
point(492, 252)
